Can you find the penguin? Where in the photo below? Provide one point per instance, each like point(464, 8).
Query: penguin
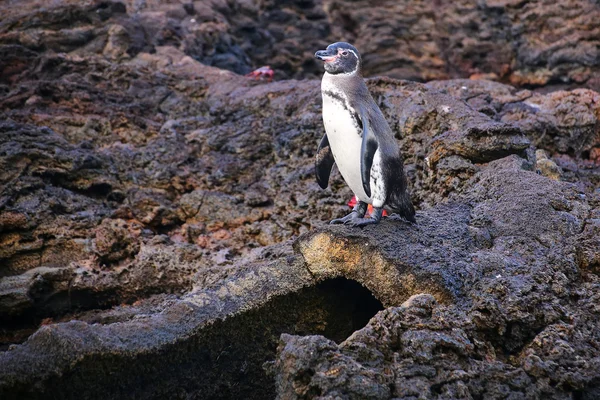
point(359, 141)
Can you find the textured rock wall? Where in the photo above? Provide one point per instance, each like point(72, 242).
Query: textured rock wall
point(213, 164)
point(525, 43)
point(140, 186)
point(510, 308)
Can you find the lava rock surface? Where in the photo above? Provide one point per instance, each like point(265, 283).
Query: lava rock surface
point(157, 207)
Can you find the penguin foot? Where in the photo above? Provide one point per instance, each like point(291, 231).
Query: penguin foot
point(374, 219)
point(354, 219)
point(353, 216)
point(363, 221)
point(358, 212)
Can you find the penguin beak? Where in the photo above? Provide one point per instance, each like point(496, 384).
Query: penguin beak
point(325, 55)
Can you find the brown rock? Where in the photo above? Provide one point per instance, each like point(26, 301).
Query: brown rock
point(404, 351)
point(120, 148)
point(525, 43)
point(117, 239)
point(546, 166)
point(117, 43)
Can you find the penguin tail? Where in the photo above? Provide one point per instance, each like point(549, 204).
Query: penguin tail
point(411, 218)
point(400, 204)
point(398, 200)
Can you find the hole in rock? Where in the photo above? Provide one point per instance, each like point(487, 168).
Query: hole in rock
point(61, 306)
point(221, 360)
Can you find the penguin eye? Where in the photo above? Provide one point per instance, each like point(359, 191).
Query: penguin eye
point(344, 53)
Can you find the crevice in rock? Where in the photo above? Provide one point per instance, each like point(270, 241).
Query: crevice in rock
point(224, 359)
point(355, 301)
point(57, 306)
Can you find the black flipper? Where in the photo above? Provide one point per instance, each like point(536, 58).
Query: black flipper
point(324, 162)
point(367, 152)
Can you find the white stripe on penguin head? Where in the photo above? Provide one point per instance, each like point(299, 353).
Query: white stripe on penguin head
point(357, 61)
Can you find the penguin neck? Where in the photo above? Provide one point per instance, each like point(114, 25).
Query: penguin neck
point(343, 84)
point(341, 75)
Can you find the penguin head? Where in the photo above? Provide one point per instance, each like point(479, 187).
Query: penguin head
point(340, 58)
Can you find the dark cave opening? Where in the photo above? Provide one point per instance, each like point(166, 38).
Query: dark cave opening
point(355, 302)
point(223, 360)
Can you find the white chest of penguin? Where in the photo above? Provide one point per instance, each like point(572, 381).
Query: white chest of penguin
point(345, 139)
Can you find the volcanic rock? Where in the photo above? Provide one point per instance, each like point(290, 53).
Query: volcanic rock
point(159, 210)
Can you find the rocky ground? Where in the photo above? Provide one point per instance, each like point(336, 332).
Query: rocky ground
point(158, 208)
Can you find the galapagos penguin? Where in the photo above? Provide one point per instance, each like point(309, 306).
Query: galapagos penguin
point(359, 140)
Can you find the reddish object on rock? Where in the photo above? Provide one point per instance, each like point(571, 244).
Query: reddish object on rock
point(262, 72)
point(353, 201)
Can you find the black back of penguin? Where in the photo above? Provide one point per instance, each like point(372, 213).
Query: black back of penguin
point(398, 198)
